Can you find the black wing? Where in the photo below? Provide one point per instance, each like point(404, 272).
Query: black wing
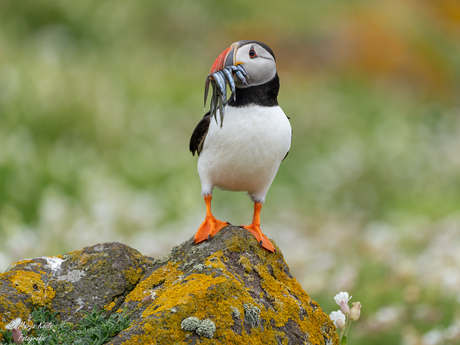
point(199, 134)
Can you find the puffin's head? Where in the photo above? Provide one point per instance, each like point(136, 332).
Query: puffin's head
point(256, 59)
point(243, 65)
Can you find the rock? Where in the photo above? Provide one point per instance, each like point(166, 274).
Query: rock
point(101, 276)
point(226, 290)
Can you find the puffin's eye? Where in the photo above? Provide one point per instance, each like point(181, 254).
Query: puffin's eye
point(252, 53)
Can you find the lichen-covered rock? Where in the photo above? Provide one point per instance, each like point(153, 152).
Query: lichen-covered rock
point(229, 289)
point(101, 276)
point(247, 292)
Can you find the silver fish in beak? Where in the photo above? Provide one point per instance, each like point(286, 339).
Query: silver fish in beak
point(221, 74)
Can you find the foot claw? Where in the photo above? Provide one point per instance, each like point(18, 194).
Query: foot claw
point(208, 229)
point(260, 237)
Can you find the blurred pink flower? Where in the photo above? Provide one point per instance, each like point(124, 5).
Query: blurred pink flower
point(17, 336)
point(344, 307)
point(150, 297)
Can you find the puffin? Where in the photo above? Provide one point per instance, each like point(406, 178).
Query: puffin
point(241, 141)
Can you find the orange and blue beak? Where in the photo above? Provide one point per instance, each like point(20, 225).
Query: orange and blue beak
point(221, 73)
point(225, 59)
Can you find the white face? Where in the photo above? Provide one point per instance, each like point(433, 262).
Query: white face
point(258, 63)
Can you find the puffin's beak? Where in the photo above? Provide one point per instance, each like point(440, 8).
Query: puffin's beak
point(227, 58)
point(221, 73)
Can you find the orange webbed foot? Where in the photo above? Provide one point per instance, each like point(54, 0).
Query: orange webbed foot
point(209, 228)
point(254, 229)
point(260, 237)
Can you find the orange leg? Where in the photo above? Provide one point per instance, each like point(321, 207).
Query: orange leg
point(254, 229)
point(210, 226)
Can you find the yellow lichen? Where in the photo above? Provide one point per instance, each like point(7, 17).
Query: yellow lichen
point(244, 261)
point(25, 282)
point(31, 283)
point(287, 306)
point(212, 296)
point(62, 286)
point(27, 261)
point(13, 310)
point(214, 292)
point(110, 306)
point(133, 275)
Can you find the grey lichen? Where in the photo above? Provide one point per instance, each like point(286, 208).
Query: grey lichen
point(235, 312)
point(179, 279)
point(190, 324)
point(10, 268)
point(185, 265)
point(174, 249)
point(251, 315)
point(199, 267)
point(67, 257)
point(161, 260)
point(73, 276)
point(206, 328)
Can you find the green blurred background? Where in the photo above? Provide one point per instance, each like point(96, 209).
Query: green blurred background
point(98, 100)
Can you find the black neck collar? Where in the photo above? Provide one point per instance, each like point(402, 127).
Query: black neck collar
point(264, 95)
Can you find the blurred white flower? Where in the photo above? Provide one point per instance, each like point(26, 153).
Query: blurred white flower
point(387, 316)
point(453, 331)
point(14, 327)
point(13, 324)
point(433, 337)
point(341, 296)
point(338, 318)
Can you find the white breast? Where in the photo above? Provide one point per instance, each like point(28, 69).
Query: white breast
point(244, 155)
